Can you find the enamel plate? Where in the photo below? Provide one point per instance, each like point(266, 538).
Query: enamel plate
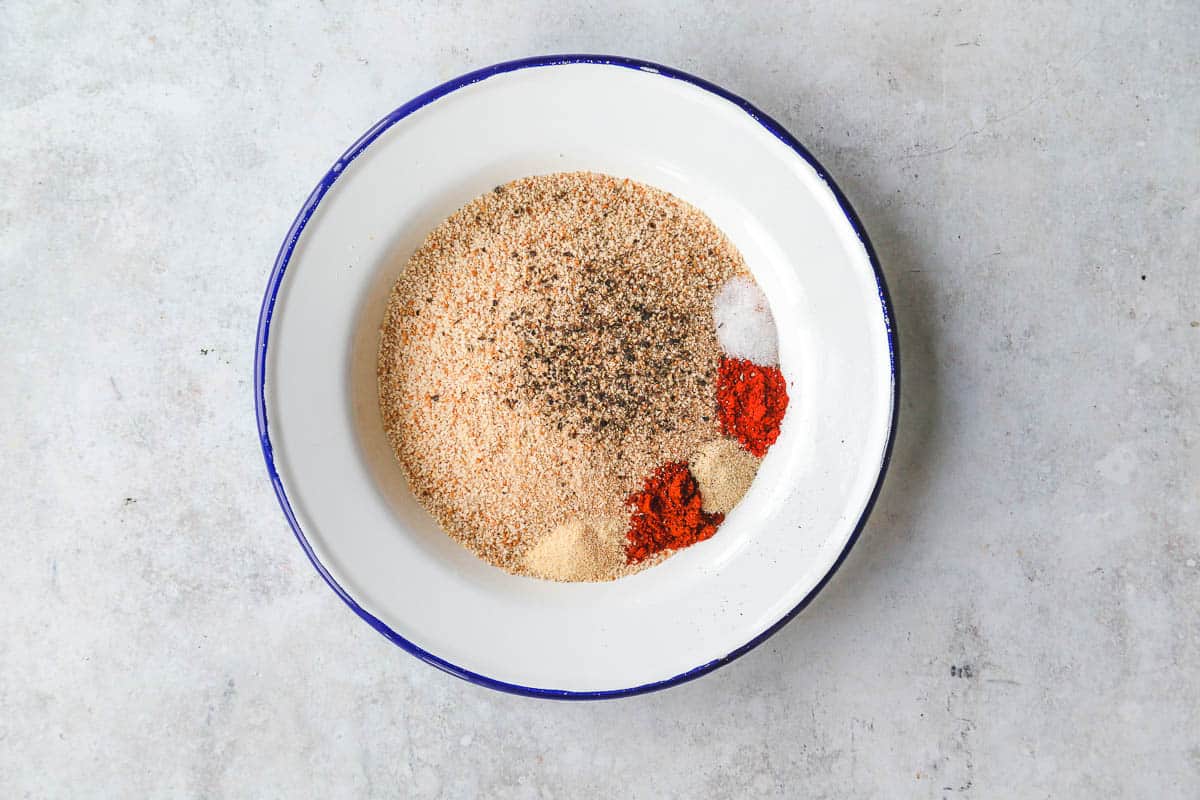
point(345, 496)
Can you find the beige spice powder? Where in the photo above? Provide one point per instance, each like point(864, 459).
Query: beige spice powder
point(547, 347)
point(724, 471)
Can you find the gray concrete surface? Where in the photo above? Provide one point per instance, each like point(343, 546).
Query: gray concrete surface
point(1020, 618)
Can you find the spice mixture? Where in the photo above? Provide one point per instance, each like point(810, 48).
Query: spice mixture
point(554, 384)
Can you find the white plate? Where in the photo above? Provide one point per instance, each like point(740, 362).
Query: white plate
point(345, 496)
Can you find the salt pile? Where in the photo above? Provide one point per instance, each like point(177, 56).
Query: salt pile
point(745, 327)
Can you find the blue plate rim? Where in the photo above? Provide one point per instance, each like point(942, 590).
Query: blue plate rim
point(310, 205)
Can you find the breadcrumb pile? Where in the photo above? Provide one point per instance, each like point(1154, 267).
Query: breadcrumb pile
point(550, 345)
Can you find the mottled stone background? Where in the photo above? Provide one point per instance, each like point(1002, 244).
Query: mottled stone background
point(1020, 618)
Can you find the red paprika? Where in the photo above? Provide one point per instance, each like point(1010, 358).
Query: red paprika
point(667, 514)
point(751, 400)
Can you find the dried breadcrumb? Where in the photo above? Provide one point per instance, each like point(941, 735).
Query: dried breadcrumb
point(545, 349)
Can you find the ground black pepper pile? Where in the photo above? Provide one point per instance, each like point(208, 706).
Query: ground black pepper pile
point(598, 363)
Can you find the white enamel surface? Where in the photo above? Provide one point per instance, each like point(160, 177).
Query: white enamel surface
point(349, 495)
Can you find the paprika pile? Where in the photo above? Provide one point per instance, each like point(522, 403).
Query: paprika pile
point(751, 401)
point(667, 514)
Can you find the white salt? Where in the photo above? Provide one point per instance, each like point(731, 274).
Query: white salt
point(745, 327)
